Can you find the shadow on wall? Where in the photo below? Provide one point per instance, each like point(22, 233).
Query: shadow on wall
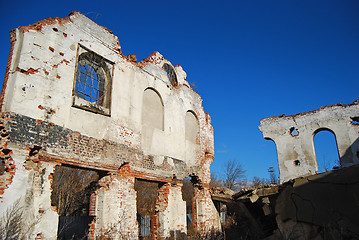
point(351, 155)
point(323, 205)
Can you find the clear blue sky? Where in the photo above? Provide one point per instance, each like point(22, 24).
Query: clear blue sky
point(248, 59)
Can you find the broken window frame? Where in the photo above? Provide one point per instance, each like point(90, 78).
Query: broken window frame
point(171, 74)
point(96, 82)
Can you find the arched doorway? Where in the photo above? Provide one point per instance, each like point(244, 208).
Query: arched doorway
point(326, 150)
point(272, 164)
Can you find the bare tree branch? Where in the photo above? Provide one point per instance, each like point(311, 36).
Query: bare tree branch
point(233, 173)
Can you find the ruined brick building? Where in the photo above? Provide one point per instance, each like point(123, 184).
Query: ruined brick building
point(306, 205)
point(71, 98)
point(293, 136)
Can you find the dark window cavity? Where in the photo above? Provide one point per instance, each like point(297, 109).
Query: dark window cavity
point(293, 131)
point(355, 121)
point(171, 74)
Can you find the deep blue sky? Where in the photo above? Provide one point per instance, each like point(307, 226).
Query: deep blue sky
point(248, 59)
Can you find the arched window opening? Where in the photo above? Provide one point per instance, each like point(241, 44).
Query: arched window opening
point(152, 109)
point(170, 73)
point(326, 150)
point(90, 84)
point(92, 90)
point(192, 127)
point(270, 150)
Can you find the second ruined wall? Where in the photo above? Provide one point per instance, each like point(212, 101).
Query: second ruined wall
point(293, 136)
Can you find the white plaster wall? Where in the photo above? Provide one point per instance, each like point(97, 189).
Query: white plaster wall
point(51, 87)
point(290, 148)
point(47, 222)
point(33, 198)
point(192, 137)
point(41, 80)
point(116, 208)
point(177, 210)
point(173, 218)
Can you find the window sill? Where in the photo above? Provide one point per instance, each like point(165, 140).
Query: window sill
point(91, 107)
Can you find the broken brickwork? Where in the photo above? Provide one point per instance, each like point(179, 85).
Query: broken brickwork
point(7, 164)
point(170, 210)
point(204, 221)
point(293, 136)
point(115, 207)
point(71, 98)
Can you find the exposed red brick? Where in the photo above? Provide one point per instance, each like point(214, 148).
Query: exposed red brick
point(27, 72)
point(49, 21)
point(63, 61)
point(7, 176)
point(132, 58)
point(78, 150)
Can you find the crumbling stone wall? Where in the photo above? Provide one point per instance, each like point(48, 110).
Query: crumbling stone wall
point(171, 210)
point(321, 206)
point(48, 118)
point(29, 191)
point(205, 217)
point(293, 136)
point(115, 207)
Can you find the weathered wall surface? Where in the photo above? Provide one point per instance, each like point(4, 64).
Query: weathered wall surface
point(115, 207)
point(41, 84)
point(171, 210)
point(293, 136)
point(321, 206)
point(71, 97)
point(205, 214)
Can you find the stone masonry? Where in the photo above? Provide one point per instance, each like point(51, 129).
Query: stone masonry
point(70, 97)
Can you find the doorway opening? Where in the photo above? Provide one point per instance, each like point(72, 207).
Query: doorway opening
point(326, 150)
point(187, 196)
point(147, 192)
point(72, 187)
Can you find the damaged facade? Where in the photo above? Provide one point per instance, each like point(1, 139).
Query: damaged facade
point(71, 99)
point(306, 205)
point(293, 136)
